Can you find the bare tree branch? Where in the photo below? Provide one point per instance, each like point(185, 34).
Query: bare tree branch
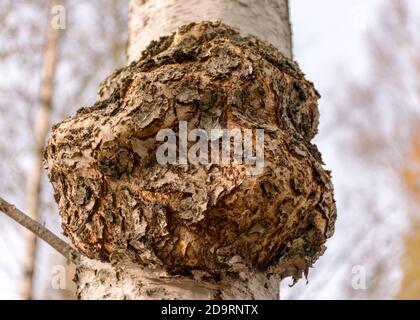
point(40, 231)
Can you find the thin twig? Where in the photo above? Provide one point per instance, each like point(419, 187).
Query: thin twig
point(40, 231)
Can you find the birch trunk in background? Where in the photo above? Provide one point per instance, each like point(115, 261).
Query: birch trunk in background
point(41, 130)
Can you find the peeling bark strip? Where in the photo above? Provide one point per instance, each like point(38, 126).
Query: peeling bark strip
point(208, 223)
point(151, 19)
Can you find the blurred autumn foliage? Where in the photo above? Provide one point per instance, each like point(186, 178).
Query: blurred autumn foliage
point(410, 286)
point(381, 113)
point(411, 169)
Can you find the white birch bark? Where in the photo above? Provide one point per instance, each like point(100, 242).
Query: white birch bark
point(102, 281)
point(151, 19)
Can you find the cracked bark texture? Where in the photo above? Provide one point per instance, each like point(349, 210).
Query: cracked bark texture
point(193, 231)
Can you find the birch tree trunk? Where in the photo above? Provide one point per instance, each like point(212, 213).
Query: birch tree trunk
point(41, 130)
point(149, 20)
point(152, 231)
point(265, 19)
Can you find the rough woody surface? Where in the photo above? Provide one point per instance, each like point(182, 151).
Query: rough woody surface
point(210, 222)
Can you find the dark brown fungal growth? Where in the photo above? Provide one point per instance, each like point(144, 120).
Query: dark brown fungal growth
point(116, 200)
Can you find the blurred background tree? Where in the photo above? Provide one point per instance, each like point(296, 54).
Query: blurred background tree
point(91, 46)
point(381, 114)
point(368, 134)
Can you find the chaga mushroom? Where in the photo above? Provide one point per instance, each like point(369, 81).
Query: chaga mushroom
point(116, 199)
